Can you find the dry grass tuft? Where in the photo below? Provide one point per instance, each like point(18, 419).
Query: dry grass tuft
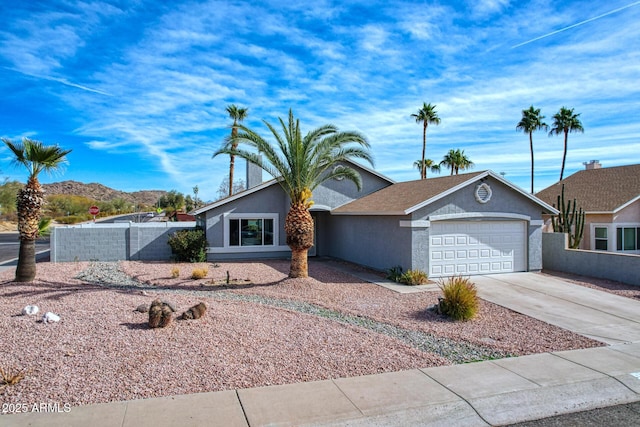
point(11, 376)
point(175, 272)
point(199, 273)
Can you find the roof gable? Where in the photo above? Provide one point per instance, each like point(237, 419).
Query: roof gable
point(605, 190)
point(403, 198)
point(260, 187)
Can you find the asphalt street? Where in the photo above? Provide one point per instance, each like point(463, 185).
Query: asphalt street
point(10, 247)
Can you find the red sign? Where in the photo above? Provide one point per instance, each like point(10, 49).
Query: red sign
point(94, 210)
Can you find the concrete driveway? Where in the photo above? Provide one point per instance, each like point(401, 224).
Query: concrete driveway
point(603, 316)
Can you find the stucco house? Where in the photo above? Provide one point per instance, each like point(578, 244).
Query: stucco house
point(474, 223)
point(611, 199)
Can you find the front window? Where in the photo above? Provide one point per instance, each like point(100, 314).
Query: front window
point(628, 238)
point(602, 242)
point(251, 232)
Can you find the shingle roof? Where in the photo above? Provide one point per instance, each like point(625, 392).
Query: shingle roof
point(400, 197)
point(597, 190)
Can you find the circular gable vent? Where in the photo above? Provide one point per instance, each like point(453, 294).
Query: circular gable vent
point(483, 193)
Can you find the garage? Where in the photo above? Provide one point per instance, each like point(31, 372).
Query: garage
point(477, 247)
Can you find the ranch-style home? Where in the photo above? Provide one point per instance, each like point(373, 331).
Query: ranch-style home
point(469, 224)
point(610, 198)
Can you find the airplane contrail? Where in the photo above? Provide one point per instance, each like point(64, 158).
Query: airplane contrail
point(59, 80)
point(577, 24)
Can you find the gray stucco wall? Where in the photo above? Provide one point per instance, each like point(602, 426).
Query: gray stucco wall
point(604, 265)
point(373, 241)
point(334, 193)
point(114, 242)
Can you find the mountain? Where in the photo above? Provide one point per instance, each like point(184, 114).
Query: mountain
point(102, 193)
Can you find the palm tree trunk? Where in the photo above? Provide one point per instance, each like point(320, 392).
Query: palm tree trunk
point(564, 156)
point(30, 200)
point(423, 172)
point(26, 269)
point(298, 226)
point(531, 148)
point(232, 166)
point(232, 163)
point(299, 263)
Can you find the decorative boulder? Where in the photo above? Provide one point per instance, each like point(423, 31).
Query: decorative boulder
point(160, 314)
point(195, 312)
point(30, 310)
point(50, 317)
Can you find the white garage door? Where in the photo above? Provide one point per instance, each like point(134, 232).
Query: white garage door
point(476, 247)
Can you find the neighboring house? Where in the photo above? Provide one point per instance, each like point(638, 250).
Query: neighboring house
point(180, 216)
point(611, 199)
point(475, 223)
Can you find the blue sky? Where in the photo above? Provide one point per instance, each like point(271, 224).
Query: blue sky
point(138, 89)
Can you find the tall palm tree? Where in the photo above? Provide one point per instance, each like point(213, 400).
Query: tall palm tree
point(531, 121)
point(238, 115)
point(428, 164)
point(36, 157)
point(301, 163)
point(456, 160)
point(426, 115)
point(565, 121)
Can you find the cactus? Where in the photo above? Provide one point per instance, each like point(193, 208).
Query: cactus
point(569, 220)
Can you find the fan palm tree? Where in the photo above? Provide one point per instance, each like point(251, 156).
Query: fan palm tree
point(565, 121)
point(36, 157)
point(531, 121)
point(301, 163)
point(238, 115)
point(428, 164)
point(426, 115)
point(456, 160)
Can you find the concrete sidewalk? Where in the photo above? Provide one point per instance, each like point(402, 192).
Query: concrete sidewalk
point(495, 392)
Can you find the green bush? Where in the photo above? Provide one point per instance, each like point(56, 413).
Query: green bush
point(414, 278)
point(460, 298)
point(395, 273)
point(71, 219)
point(189, 245)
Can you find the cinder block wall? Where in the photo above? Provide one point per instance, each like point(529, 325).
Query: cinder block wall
point(114, 242)
point(603, 265)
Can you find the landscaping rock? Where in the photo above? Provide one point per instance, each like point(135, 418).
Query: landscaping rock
point(30, 310)
point(195, 312)
point(142, 308)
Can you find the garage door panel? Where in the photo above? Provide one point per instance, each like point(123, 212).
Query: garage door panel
point(477, 247)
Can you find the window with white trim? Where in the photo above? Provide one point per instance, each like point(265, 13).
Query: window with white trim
point(628, 238)
point(601, 239)
point(251, 232)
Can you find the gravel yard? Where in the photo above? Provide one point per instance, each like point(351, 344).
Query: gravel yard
point(267, 329)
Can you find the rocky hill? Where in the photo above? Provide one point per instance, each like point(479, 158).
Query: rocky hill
point(102, 193)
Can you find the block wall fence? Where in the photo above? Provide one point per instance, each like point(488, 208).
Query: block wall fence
point(114, 242)
point(556, 256)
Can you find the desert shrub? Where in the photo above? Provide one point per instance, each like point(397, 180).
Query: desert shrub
point(199, 273)
point(460, 298)
point(394, 273)
point(414, 278)
point(189, 245)
point(175, 272)
point(71, 219)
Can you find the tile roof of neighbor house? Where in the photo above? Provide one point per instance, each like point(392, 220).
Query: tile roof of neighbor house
point(401, 197)
point(598, 190)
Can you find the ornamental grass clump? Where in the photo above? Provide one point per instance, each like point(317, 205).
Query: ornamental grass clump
point(199, 273)
point(175, 272)
point(460, 298)
point(414, 278)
